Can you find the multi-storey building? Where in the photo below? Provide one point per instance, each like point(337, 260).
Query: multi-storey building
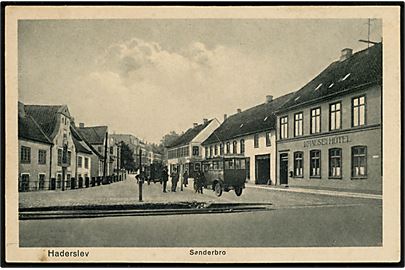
point(54, 121)
point(250, 133)
point(329, 132)
point(186, 152)
point(34, 154)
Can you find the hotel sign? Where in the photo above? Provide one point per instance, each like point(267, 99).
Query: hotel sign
point(327, 141)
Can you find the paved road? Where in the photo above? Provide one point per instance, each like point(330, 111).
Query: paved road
point(296, 219)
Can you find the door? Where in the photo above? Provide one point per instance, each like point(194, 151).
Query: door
point(283, 169)
point(262, 169)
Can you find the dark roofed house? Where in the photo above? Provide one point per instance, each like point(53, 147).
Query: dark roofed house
point(329, 132)
point(186, 151)
point(250, 133)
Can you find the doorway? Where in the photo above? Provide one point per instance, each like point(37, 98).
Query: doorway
point(283, 169)
point(262, 169)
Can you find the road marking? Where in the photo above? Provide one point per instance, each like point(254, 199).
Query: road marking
point(323, 192)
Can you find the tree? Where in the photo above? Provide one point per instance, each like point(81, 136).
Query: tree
point(169, 138)
point(127, 157)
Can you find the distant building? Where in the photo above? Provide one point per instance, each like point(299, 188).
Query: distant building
point(186, 152)
point(329, 132)
point(34, 148)
point(252, 134)
point(54, 121)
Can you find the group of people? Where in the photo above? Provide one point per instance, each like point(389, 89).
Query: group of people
point(199, 181)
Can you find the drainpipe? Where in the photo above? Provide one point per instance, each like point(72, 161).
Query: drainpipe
point(50, 165)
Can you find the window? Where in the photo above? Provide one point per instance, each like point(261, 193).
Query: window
point(234, 147)
point(256, 141)
point(100, 150)
point(298, 124)
point(228, 147)
point(335, 163)
point(68, 180)
point(86, 162)
point(298, 164)
point(59, 181)
point(268, 139)
point(216, 150)
point(315, 165)
point(335, 117)
point(359, 111)
point(41, 181)
point(211, 151)
point(229, 165)
point(25, 155)
point(284, 127)
point(79, 162)
point(59, 157)
point(24, 182)
point(242, 146)
point(196, 151)
point(69, 157)
point(359, 161)
point(206, 151)
point(111, 150)
point(41, 156)
point(315, 120)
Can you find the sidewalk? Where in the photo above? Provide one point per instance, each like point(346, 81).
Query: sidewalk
point(319, 191)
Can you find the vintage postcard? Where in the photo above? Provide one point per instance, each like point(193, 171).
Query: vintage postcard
point(190, 134)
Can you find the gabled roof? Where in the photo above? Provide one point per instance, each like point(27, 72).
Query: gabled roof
point(30, 130)
point(255, 119)
point(362, 69)
point(189, 135)
point(94, 135)
point(80, 145)
point(46, 117)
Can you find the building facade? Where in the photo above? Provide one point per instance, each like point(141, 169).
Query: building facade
point(250, 133)
point(54, 121)
point(34, 154)
point(186, 152)
point(329, 133)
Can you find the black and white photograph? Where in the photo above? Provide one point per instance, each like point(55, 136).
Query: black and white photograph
point(212, 136)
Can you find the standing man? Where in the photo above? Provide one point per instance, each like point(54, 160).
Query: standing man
point(175, 179)
point(165, 178)
point(185, 178)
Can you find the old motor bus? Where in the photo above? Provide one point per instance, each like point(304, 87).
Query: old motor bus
point(225, 174)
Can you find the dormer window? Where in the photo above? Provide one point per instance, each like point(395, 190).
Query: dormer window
point(345, 77)
point(265, 118)
point(319, 86)
point(331, 85)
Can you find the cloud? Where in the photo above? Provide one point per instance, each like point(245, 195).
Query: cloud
point(156, 90)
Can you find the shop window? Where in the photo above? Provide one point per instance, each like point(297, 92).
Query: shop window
point(196, 151)
point(359, 161)
point(86, 162)
point(41, 156)
point(359, 111)
point(315, 120)
point(284, 127)
point(315, 165)
point(24, 182)
point(79, 162)
point(242, 146)
point(335, 163)
point(59, 181)
point(68, 180)
point(298, 164)
point(228, 147)
point(335, 116)
point(216, 150)
point(206, 152)
point(256, 141)
point(211, 151)
point(41, 181)
point(234, 147)
point(268, 139)
point(25, 154)
point(298, 124)
point(221, 149)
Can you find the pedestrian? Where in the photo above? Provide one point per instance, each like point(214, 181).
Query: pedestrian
point(165, 178)
point(175, 178)
point(185, 178)
point(201, 182)
point(137, 175)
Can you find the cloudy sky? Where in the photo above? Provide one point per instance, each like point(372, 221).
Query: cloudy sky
point(148, 77)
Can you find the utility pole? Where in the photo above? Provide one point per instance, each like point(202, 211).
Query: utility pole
point(105, 158)
point(368, 34)
point(140, 175)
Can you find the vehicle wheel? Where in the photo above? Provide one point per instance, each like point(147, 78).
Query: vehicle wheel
point(238, 191)
point(218, 189)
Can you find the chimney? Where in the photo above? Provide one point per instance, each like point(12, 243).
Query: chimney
point(205, 120)
point(195, 124)
point(346, 53)
point(81, 125)
point(225, 116)
point(269, 98)
point(238, 110)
